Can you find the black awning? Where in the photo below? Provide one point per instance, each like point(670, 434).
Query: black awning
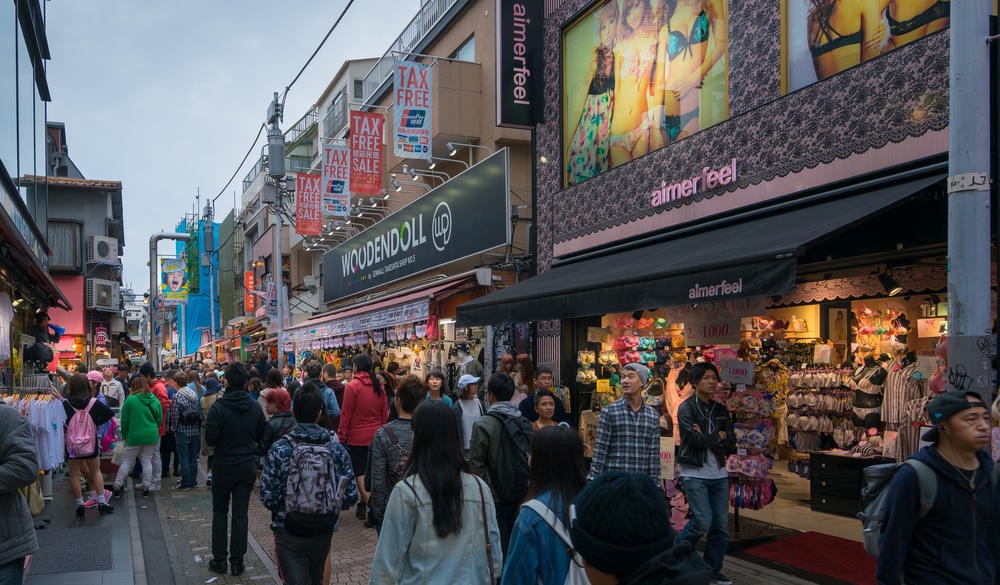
point(750, 258)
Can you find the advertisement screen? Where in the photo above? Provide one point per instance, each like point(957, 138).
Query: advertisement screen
point(639, 75)
point(174, 280)
point(826, 37)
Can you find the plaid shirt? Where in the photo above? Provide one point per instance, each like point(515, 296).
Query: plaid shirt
point(627, 440)
point(179, 405)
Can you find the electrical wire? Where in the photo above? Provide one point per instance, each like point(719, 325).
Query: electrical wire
point(321, 43)
point(240, 166)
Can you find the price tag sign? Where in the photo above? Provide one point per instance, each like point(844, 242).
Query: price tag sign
point(737, 372)
point(711, 331)
point(666, 458)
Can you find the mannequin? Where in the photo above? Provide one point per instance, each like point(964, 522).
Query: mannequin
point(466, 363)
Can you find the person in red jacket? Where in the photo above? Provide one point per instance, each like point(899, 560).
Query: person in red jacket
point(159, 389)
point(364, 411)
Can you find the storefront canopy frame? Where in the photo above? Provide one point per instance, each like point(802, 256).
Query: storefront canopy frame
point(759, 254)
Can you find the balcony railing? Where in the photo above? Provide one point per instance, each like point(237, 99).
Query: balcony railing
point(302, 126)
point(431, 12)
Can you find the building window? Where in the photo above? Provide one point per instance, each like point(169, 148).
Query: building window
point(466, 52)
point(66, 243)
point(336, 114)
point(359, 89)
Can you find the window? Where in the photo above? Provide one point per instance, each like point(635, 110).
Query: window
point(466, 52)
point(66, 244)
point(9, 32)
point(359, 89)
point(336, 114)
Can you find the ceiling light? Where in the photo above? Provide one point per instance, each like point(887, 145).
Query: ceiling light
point(452, 151)
point(432, 165)
point(406, 169)
point(890, 284)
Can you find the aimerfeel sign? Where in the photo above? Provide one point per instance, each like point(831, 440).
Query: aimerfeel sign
point(707, 180)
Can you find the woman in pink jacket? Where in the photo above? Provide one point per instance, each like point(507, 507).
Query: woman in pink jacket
point(364, 411)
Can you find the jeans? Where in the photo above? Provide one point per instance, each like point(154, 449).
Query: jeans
point(708, 500)
point(12, 573)
point(231, 483)
point(301, 559)
point(142, 453)
point(187, 454)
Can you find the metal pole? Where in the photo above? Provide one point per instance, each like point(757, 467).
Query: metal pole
point(280, 275)
point(970, 341)
point(211, 294)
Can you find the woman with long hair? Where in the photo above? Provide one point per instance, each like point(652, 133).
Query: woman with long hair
point(364, 411)
point(524, 381)
point(273, 380)
point(194, 383)
point(536, 553)
point(439, 516)
point(83, 460)
point(141, 417)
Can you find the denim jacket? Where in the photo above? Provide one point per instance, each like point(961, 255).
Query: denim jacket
point(409, 550)
point(536, 554)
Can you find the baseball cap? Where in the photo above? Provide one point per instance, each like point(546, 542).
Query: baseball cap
point(95, 376)
point(946, 406)
point(467, 379)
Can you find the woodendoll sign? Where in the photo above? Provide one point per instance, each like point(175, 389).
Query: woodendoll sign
point(519, 63)
point(468, 215)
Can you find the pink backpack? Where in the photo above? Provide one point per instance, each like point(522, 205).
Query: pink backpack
point(81, 434)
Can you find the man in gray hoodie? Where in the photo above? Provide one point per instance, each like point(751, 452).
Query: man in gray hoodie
point(503, 428)
point(18, 469)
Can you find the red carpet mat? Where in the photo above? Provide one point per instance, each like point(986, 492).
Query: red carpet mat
point(841, 559)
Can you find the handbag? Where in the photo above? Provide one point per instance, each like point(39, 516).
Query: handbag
point(119, 454)
point(33, 494)
point(486, 533)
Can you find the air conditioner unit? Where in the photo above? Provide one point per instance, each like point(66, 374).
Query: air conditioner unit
point(102, 250)
point(103, 295)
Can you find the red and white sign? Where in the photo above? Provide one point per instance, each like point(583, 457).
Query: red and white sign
point(308, 194)
point(249, 299)
point(737, 372)
point(411, 114)
point(336, 181)
point(366, 152)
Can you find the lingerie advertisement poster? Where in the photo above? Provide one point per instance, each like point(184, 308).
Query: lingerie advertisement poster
point(826, 37)
point(639, 75)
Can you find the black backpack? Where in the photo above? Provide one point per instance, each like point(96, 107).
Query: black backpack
point(510, 482)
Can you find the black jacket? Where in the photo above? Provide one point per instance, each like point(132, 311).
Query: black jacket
point(711, 418)
point(234, 426)
point(957, 542)
point(274, 429)
point(679, 565)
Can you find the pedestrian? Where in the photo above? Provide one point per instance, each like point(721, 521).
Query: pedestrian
point(185, 422)
point(439, 525)
point(328, 376)
point(435, 383)
point(194, 383)
point(272, 382)
point(628, 431)
point(213, 389)
point(234, 425)
point(112, 390)
point(620, 526)
point(140, 420)
point(288, 375)
point(955, 542)
point(545, 407)
point(18, 469)
point(537, 554)
point(524, 376)
point(365, 411)
point(498, 452)
point(277, 407)
point(707, 438)
point(543, 383)
point(392, 444)
point(159, 390)
point(262, 365)
point(468, 408)
point(84, 414)
point(302, 543)
point(168, 443)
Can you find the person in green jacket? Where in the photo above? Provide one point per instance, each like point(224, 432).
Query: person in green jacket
point(140, 420)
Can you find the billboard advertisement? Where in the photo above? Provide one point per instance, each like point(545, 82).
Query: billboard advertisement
point(366, 152)
point(174, 280)
point(411, 114)
point(336, 180)
point(519, 63)
point(639, 75)
point(826, 37)
point(308, 194)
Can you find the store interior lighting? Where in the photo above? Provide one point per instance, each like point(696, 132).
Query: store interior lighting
point(890, 284)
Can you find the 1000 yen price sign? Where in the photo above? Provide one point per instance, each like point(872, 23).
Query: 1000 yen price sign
point(712, 331)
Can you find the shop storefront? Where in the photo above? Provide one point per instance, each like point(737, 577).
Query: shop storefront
point(795, 240)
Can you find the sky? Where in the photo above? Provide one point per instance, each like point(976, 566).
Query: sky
point(168, 96)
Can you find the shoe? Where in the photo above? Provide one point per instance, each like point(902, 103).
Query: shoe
point(104, 509)
point(217, 566)
point(117, 491)
point(145, 492)
point(155, 487)
point(360, 511)
point(370, 522)
point(236, 568)
point(183, 488)
point(719, 579)
point(208, 480)
point(90, 503)
point(80, 511)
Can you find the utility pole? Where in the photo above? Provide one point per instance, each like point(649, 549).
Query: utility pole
point(208, 241)
point(276, 169)
point(970, 339)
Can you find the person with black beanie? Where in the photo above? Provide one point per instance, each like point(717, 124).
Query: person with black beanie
point(235, 466)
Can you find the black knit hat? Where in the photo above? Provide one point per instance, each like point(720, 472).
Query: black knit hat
point(621, 522)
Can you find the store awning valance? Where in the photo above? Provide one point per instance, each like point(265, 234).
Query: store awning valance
point(755, 257)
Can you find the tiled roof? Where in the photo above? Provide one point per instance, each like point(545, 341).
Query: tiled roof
point(77, 183)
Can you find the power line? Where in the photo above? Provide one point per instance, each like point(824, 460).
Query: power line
point(243, 162)
point(321, 43)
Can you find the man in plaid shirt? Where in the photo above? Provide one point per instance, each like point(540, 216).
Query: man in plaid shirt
point(628, 432)
point(185, 422)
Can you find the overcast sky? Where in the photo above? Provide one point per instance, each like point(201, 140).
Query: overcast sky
point(167, 96)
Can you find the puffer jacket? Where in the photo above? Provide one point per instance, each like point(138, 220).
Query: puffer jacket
point(711, 417)
point(235, 424)
point(18, 468)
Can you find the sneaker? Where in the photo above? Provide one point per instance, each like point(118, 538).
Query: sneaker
point(217, 566)
point(208, 480)
point(117, 491)
point(92, 502)
point(184, 488)
point(104, 509)
point(155, 487)
point(719, 579)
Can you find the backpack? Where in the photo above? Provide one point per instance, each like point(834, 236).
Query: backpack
point(576, 575)
point(191, 416)
point(312, 501)
point(81, 434)
point(399, 471)
point(873, 497)
point(510, 482)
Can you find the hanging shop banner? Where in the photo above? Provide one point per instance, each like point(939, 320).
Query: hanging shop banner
point(102, 337)
point(174, 280)
point(519, 63)
point(391, 317)
point(468, 215)
point(366, 152)
point(411, 114)
point(336, 180)
point(308, 194)
point(271, 301)
point(249, 298)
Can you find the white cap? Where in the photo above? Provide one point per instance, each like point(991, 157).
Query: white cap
point(466, 380)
